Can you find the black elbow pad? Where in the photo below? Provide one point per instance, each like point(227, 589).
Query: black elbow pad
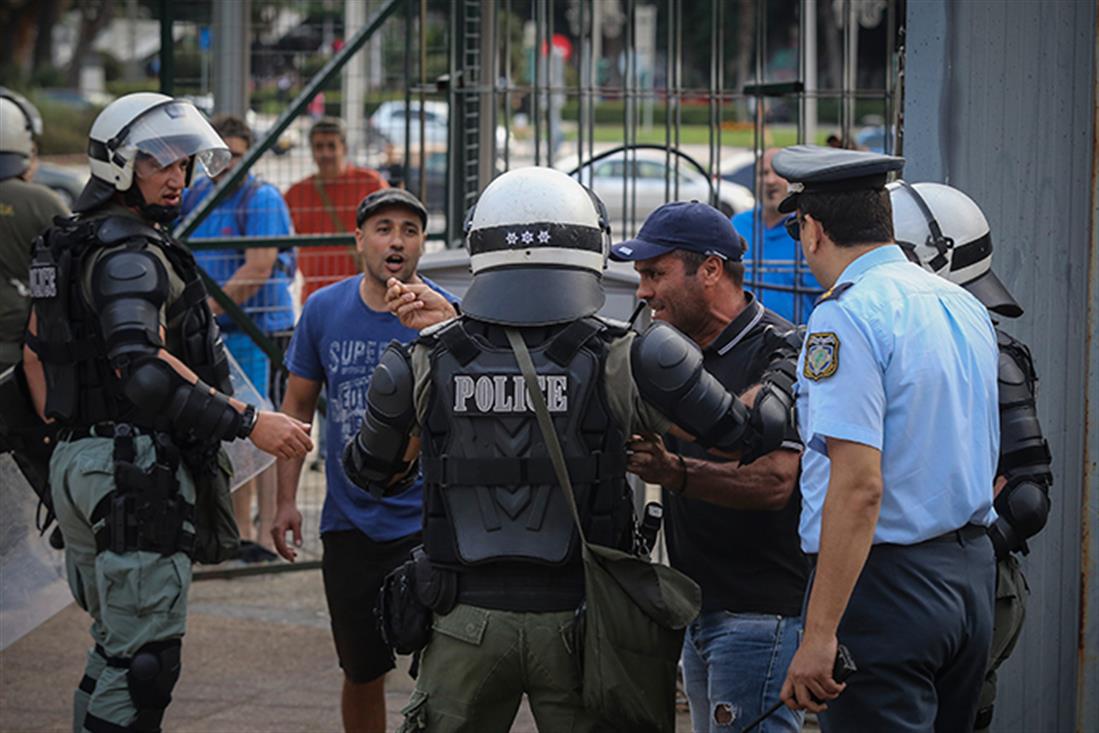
point(667, 368)
point(773, 411)
point(1023, 509)
point(376, 453)
point(165, 398)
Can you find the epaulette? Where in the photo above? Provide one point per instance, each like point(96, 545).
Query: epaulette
point(834, 292)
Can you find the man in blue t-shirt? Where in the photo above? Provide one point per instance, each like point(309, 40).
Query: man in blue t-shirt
point(774, 264)
point(344, 329)
point(258, 280)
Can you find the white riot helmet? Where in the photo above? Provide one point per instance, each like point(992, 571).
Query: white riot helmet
point(146, 123)
point(20, 124)
point(945, 232)
point(538, 244)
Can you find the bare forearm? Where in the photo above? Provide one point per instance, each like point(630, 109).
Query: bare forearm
point(249, 277)
point(765, 485)
point(847, 532)
point(244, 284)
point(288, 476)
point(300, 402)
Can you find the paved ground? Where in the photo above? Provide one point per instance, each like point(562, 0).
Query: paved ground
point(257, 657)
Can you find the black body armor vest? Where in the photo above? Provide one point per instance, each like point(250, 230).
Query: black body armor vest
point(493, 508)
point(81, 386)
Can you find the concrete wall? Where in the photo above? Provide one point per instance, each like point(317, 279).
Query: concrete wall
point(1000, 101)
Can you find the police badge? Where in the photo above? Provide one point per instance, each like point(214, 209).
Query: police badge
point(822, 355)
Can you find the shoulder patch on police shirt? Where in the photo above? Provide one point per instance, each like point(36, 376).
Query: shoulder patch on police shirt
point(833, 292)
point(822, 355)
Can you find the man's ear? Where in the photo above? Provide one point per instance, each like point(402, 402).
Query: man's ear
point(811, 232)
point(714, 268)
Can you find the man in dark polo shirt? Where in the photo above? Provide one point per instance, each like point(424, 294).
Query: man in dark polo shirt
point(732, 528)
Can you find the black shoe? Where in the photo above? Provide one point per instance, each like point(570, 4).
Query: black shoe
point(250, 553)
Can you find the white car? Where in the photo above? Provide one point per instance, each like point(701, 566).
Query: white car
point(389, 120)
point(616, 177)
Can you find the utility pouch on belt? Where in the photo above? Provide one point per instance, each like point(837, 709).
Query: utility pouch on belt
point(145, 511)
point(408, 598)
point(217, 536)
point(30, 440)
point(634, 614)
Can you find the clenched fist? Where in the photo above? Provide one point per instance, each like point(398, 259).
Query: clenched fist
point(281, 435)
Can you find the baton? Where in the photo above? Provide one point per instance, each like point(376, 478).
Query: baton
point(843, 668)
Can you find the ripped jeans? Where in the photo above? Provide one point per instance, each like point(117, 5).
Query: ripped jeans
point(734, 665)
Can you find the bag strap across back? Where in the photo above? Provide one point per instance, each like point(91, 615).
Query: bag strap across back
point(545, 424)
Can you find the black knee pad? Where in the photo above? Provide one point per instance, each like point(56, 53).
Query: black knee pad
point(153, 673)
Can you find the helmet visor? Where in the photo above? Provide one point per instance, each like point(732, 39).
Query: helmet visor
point(173, 131)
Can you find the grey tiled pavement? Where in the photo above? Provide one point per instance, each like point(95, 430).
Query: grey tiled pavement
point(258, 656)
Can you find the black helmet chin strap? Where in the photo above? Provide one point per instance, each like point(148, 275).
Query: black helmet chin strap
point(150, 212)
point(942, 244)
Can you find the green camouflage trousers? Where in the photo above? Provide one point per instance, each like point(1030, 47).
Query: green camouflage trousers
point(479, 663)
point(133, 598)
point(1011, 598)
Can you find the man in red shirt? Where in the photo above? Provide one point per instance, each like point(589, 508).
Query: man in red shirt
point(325, 203)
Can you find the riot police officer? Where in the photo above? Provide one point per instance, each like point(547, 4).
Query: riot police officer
point(499, 539)
point(123, 355)
point(947, 233)
point(25, 210)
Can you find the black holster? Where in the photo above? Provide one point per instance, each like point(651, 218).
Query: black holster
point(145, 511)
point(408, 598)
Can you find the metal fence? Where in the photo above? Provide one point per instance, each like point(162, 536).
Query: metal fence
point(645, 101)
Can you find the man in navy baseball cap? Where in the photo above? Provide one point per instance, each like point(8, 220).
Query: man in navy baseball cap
point(727, 526)
point(683, 225)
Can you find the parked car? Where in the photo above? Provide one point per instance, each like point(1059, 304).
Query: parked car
point(435, 164)
point(739, 168)
point(61, 181)
point(649, 172)
point(389, 120)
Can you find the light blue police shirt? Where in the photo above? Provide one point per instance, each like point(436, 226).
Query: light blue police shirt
point(905, 362)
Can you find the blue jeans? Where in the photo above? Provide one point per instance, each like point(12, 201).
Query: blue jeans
point(734, 665)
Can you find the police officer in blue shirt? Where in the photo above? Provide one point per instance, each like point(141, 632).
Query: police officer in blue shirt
point(897, 407)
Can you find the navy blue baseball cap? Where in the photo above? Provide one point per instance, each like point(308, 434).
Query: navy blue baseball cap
point(686, 225)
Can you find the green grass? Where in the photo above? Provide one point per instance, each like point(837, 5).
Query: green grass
point(780, 136)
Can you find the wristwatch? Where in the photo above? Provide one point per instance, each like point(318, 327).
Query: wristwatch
point(248, 420)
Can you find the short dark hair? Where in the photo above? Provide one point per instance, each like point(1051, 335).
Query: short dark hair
point(851, 218)
point(233, 126)
point(693, 260)
point(328, 126)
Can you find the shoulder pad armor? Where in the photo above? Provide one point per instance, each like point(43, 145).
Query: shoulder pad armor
point(129, 273)
point(114, 230)
point(128, 288)
point(667, 368)
point(390, 389)
point(834, 292)
point(376, 453)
